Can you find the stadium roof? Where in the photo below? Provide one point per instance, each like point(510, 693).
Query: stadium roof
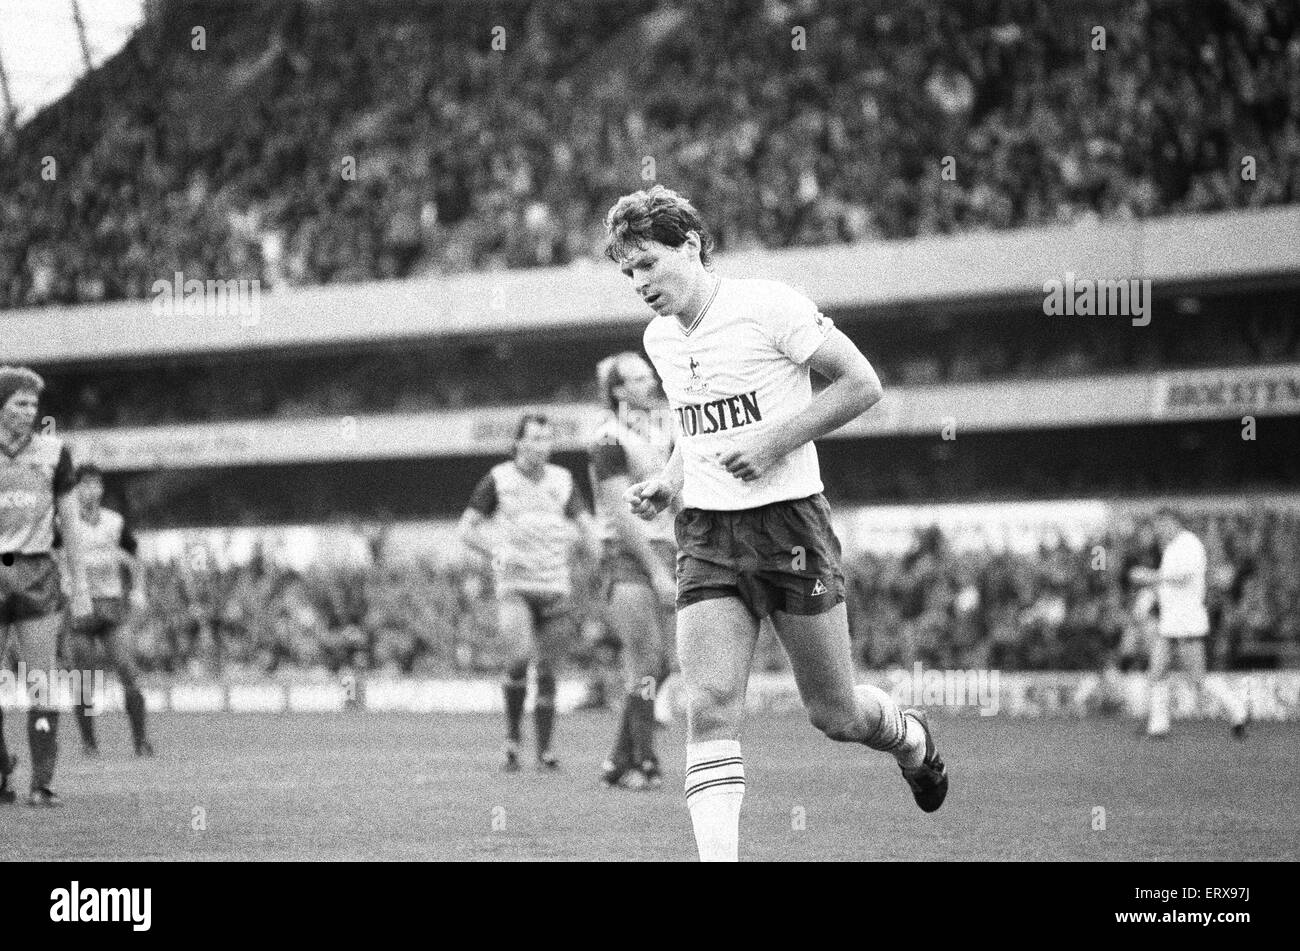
point(40, 50)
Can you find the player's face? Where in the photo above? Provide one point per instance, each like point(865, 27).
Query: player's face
point(639, 389)
point(535, 445)
point(19, 413)
point(90, 490)
point(664, 277)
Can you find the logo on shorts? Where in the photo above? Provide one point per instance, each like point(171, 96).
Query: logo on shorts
point(819, 588)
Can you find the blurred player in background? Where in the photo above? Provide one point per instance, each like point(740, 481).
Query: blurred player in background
point(1141, 624)
point(36, 481)
point(116, 585)
point(633, 445)
point(1183, 626)
point(525, 516)
point(754, 537)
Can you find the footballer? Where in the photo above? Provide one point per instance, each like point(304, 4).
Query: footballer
point(113, 575)
point(525, 516)
point(632, 446)
point(754, 535)
point(35, 493)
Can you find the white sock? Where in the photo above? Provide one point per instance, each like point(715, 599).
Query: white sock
point(1158, 715)
point(895, 733)
point(715, 788)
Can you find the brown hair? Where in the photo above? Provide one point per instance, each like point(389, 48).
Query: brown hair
point(659, 214)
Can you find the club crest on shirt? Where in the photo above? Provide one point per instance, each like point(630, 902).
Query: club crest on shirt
point(697, 383)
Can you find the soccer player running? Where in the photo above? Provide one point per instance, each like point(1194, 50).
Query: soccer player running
point(113, 576)
point(525, 516)
point(632, 446)
point(754, 536)
point(1183, 625)
point(35, 490)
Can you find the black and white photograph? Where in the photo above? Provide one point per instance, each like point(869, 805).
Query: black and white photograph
point(639, 431)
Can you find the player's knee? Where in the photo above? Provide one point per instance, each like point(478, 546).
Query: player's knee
point(714, 713)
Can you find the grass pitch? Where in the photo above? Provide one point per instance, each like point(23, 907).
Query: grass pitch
point(248, 787)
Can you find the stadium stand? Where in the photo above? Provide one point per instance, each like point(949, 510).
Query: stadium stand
point(229, 160)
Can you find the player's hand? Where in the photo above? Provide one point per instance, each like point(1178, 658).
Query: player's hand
point(647, 499)
point(748, 463)
point(138, 601)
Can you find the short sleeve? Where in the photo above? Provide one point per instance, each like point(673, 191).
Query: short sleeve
point(484, 498)
point(797, 326)
point(608, 458)
point(63, 479)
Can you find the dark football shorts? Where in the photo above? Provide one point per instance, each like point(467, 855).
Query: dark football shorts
point(29, 588)
point(778, 557)
point(624, 567)
point(106, 616)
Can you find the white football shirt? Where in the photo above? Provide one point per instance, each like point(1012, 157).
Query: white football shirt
point(103, 555)
point(1182, 605)
point(740, 368)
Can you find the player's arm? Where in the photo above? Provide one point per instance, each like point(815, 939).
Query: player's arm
point(132, 569)
point(588, 542)
point(74, 550)
point(854, 388)
point(475, 529)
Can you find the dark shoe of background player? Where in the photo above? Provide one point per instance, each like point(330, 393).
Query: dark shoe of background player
point(144, 749)
point(6, 767)
point(44, 798)
point(547, 762)
point(612, 773)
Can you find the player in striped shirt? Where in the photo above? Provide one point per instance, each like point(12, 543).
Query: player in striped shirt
point(35, 493)
point(525, 516)
point(114, 579)
point(632, 445)
point(754, 537)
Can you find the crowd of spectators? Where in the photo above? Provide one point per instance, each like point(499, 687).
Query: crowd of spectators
point(1060, 608)
point(313, 142)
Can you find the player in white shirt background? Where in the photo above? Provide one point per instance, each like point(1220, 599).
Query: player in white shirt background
point(754, 535)
point(1183, 625)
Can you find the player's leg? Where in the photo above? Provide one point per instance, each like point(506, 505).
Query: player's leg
point(1191, 659)
point(821, 657)
point(636, 616)
point(84, 649)
point(715, 646)
point(7, 762)
point(515, 627)
point(555, 629)
point(822, 660)
point(1158, 693)
point(119, 658)
point(38, 640)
